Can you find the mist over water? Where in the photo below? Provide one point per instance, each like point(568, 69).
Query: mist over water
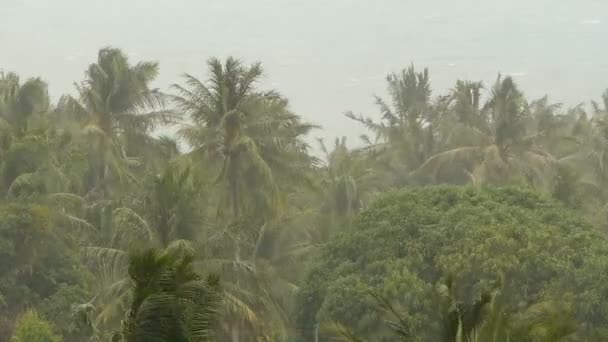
point(325, 56)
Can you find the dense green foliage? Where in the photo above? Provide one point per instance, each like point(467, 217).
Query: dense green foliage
point(169, 301)
point(234, 230)
point(31, 328)
point(407, 242)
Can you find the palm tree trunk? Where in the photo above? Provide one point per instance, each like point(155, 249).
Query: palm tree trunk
point(234, 334)
point(233, 184)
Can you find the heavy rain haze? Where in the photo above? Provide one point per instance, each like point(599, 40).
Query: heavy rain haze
point(299, 171)
point(325, 56)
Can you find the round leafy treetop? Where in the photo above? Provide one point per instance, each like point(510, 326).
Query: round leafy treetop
point(410, 241)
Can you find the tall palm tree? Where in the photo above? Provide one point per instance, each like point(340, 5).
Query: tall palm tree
point(348, 182)
point(596, 142)
point(462, 120)
point(172, 212)
point(36, 156)
point(405, 135)
point(257, 294)
point(117, 109)
point(587, 159)
point(174, 207)
point(344, 195)
point(248, 134)
point(18, 102)
point(466, 96)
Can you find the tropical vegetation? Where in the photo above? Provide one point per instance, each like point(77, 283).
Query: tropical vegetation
point(474, 215)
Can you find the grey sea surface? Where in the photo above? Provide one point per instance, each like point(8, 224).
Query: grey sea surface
point(327, 56)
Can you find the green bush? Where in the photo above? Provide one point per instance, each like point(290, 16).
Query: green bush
point(39, 267)
point(409, 240)
point(32, 328)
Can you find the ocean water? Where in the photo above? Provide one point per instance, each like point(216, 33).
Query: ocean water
point(327, 56)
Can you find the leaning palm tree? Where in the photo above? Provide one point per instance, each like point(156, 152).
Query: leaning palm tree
point(505, 155)
point(249, 136)
point(117, 109)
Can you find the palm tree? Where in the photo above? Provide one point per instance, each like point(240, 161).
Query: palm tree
point(250, 133)
point(596, 142)
point(481, 319)
point(466, 96)
point(462, 321)
point(36, 156)
point(257, 295)
point(117, 109)
point(405, 135)
point(344, 195)
point(585, 161)
point(597, 107)
point(462, 120)
point(18, 102)
point(347, 181)
point(505, 155)
point(339, 333)
point(174, 205)
point(174, 208)
point(170, 301)
point(172, 213)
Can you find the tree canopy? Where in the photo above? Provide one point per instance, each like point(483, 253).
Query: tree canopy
point(409, 242)
point(206, 210)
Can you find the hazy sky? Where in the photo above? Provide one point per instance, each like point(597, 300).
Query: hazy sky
point(327, 56)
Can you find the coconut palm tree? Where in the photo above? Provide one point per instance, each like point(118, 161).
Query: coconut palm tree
point(586, 160)
point(466, 97)
point(117, 109)
point(18, 102)
point(36, 156)
point(249, 135)
point(462, 120)
point(348, 182)
point(505, 155)
point(169, 300)
point(172, 212)
point(174, 207)
point(344, 195)
point(257, 294)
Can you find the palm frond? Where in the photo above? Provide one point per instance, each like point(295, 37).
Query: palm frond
point(338, 332)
